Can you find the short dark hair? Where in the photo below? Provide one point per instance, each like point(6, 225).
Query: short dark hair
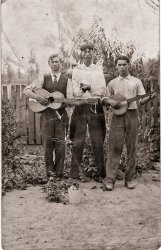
point(87, 46)
point(122, 58)
point(53, 56)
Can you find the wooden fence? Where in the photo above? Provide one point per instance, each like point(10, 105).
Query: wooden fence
point(30, 122)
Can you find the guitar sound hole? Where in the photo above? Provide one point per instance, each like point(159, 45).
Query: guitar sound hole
point(51, 99)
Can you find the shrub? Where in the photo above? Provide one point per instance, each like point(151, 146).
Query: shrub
point(12, 146)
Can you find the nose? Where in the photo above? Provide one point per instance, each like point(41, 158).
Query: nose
point(88, 53)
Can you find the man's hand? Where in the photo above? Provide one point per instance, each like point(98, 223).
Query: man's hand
point(69, 74)
point(148, 98)
point(85, 87)
point(114, 104)
point(42, 100)
point(152, 96)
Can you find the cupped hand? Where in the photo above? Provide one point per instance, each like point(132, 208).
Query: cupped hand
point(42, 100)
point(114, 104)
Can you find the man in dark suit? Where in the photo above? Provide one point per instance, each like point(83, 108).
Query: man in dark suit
point(53, 122)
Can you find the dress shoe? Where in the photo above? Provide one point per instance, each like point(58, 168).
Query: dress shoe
point(109, 186)
point(130, 184)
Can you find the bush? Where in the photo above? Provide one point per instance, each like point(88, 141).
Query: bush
point(12, 146)
point(11, 135)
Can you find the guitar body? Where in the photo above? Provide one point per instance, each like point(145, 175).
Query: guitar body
point(55, 103)
point(123, 104)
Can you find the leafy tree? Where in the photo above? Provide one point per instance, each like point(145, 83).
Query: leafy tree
point(106, 50)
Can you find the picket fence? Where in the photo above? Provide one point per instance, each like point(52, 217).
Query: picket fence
point(30, 121)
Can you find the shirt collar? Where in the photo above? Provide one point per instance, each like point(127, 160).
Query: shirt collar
point(84, 67)
point(127, 77)
point(56, 74)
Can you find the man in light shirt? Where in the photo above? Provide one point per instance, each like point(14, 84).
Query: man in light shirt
point(53, 122)
point(125, 126)
point(87, 81)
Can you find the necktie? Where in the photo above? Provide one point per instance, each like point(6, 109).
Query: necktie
point(55, 79)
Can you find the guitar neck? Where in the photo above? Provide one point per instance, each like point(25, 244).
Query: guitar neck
point(138, 97)
point(76, 100)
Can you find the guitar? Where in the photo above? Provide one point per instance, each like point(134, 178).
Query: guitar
point(55, 99)
point(124, 102)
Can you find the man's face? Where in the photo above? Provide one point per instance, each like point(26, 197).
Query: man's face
point(87, 55)
point(122, 67)
point(54, 64)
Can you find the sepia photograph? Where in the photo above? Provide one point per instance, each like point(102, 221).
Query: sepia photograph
point(80, 125)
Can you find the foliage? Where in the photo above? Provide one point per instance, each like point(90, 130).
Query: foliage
point(154, 141)
point(106, 50)
point(56, 190)
point(12, 145)
point(152, 70)
point(11, 135)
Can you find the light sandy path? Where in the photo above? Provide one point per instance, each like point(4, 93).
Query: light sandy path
point(119, 220)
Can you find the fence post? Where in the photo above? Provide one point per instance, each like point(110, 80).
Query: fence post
point(37, 128)
point(24, 117)
point(17, 104)
point(13, 96)
point(31, 127)
point(4, 93)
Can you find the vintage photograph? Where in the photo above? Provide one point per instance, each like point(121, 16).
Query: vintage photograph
point(80, 125)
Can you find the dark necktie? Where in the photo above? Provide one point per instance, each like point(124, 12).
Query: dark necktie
point(55, 79)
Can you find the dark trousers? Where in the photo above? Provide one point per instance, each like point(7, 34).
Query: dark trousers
point(53, 134)
point(123, 128)
point(82, 116)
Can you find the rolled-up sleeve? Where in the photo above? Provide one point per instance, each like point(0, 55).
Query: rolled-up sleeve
point(38, 83)
point(109, 90)
point(140, 91)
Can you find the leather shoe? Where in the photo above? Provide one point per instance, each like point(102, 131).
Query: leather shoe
point(109, 186)
point(130, 184)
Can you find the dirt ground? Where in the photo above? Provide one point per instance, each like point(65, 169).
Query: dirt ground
point(119, 220)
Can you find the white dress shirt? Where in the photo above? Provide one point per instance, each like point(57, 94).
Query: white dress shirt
point(92, 75)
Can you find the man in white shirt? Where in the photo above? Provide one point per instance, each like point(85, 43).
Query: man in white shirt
point(53, 122)
point(125, 126)
point(87, 81)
